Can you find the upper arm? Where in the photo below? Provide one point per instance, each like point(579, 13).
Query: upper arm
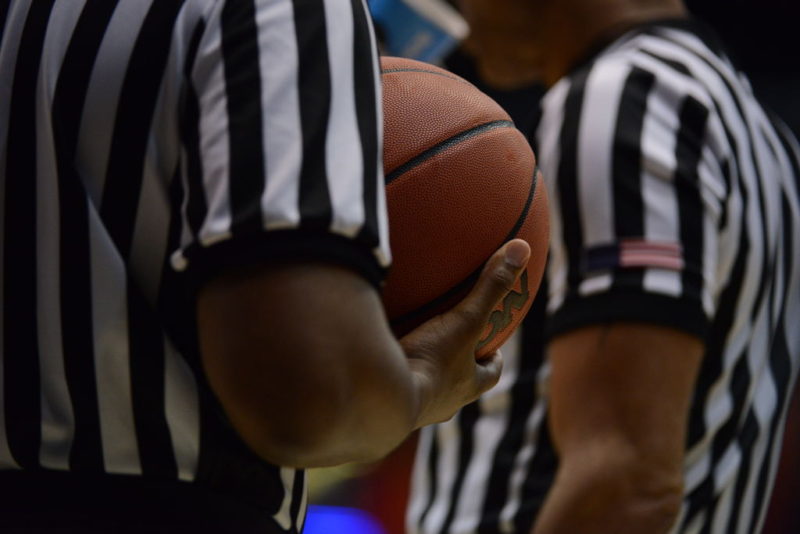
point(624, 388)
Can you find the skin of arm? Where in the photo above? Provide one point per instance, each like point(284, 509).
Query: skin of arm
point(620, 396)
point(302, 359)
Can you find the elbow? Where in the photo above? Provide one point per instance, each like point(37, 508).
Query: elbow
point(654, 489)
point(654, 506)
point(302, 432)
point(649, 499)
point(298, 444)
point(628, 490)
point(317, 423)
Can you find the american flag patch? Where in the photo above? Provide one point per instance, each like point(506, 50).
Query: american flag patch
point(628, 253)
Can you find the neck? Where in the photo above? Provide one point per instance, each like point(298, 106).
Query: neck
point(573, 27)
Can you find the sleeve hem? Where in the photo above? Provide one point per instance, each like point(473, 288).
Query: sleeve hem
point(680, 313)
point(204, 263)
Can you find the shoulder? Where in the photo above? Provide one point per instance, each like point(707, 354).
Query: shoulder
point(652, 61)
point(644, 76)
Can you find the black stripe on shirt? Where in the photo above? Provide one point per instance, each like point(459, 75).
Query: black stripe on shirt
point(677, 66)
point(21, 384)
point(366, 112)
point(175, 312)
point(147, 369)
point(4, 5)
point(568, 178)
point(767, 242)
point(86, 453)
point(278, 245)
point(246, 178)
point(432, 461)
point(627, 167)
point(693, 118)
point(636, 306)
point(298, 490)
point(314, 80)
point(196, 206)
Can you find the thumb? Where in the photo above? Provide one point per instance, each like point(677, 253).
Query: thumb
point(496, 280)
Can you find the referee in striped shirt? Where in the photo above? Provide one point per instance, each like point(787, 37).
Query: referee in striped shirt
point(648, 391)
point(193, 230)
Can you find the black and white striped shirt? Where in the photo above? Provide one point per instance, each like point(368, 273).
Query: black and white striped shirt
point(144, 146)
point(674, 200)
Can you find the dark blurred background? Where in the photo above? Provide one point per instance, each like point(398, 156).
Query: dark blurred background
point(764, 37)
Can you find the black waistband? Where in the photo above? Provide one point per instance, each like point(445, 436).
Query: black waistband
point(49, 501)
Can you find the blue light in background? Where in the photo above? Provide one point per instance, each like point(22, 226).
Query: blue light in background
point(336, 520)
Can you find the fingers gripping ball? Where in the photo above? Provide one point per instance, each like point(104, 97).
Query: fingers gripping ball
point(461, 180)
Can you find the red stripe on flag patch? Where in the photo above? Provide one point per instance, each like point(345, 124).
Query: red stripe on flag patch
point(640, 253)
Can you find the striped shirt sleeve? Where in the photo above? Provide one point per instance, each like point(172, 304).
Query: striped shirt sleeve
point(638, 194)
point(283, 137)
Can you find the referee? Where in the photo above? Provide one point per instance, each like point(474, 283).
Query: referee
point(648, 392)
point(193, 230)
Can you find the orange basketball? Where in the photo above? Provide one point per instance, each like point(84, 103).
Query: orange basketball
point(461, 180)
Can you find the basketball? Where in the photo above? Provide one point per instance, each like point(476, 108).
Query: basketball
point(461, 181)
